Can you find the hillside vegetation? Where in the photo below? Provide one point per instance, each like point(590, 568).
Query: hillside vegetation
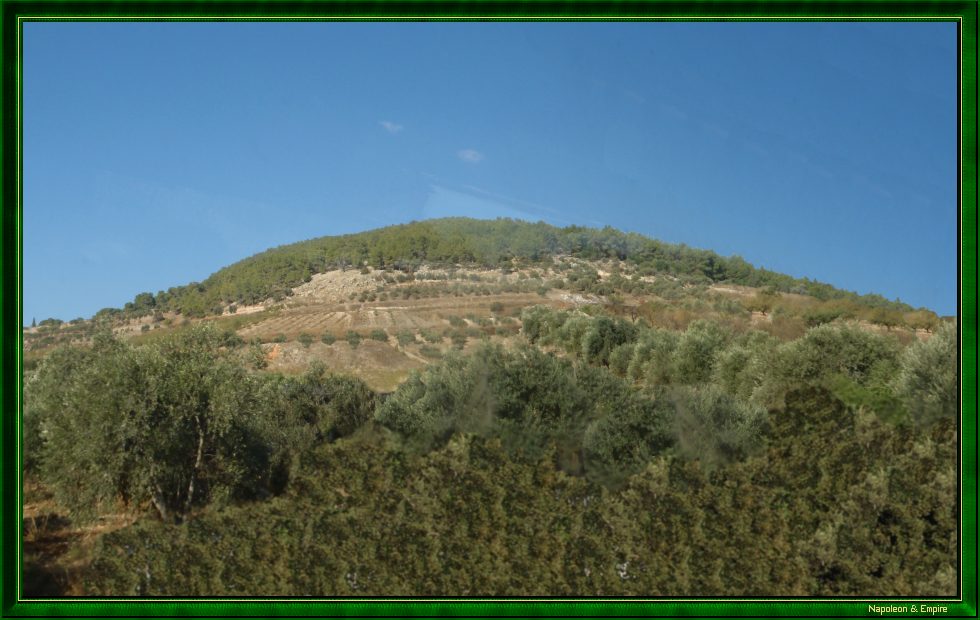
point(501, 243)
point(469, 408)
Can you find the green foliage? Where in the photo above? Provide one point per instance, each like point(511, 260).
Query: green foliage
point(169, 423)
point(694, 357)
point(353, 338)
point(406, 338)
point(823, 351)
point(652, 357)
point(732, 307)
point(927, 380)
point(379, 335)
point(430, 352)
point(456, 321)
point(714, 428)
point(496, 306)
point(279, 338)
point(256, 357)
point(604, 335)
point(305, 339)
point(819, 316)
point(327, 338)
point(886, 317)
point(431, 336)
point(365, 517)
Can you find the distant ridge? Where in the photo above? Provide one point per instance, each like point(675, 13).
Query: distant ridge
point(491, 244)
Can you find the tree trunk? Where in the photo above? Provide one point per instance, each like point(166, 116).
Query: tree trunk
point(197, 467)
point(160, 501)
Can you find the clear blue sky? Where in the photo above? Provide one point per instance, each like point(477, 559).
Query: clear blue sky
point(157, 153)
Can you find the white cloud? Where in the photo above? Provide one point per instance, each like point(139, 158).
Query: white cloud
point(470, 156)
point(393, 128)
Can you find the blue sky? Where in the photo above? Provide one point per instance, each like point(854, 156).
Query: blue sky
point(155, 154)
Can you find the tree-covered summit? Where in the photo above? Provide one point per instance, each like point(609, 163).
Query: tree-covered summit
point(493, 244)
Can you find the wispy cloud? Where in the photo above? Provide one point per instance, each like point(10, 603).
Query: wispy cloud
point(393, 128)
point(470, 156)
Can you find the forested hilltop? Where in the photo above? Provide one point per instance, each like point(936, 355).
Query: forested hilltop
point(500, 243)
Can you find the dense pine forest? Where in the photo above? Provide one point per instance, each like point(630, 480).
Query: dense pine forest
point(669, 447)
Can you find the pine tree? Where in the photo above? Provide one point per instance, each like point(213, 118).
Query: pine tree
point(34, 322)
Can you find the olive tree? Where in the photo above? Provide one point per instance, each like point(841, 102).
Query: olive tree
point(169, 423)
point(927, 380)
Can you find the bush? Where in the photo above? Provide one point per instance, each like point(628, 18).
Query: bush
point(620, 358)
point(652, 357)
point(405, 338)
point(145, 328)
point(819, 316)
point(328, 338)
point(927, 379)
point(431, 336)
point(696, 351)
point(353, 338)
point(280, 338)
point(458, 339)
point(305, 339)
point(456, 321)
point(497, 306)
point(430, 352)
point(714, 428)
point(365, 271)
point(379, 335)
point(732, 307)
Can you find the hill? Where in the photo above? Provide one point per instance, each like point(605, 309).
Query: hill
point(490, 244)
point(428, 402)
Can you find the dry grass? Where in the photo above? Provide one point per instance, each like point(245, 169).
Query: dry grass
point(56, 552)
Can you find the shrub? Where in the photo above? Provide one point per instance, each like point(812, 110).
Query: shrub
point(819, 316)
point(927, 380)
point(620, 358)
point(497, 306)
point(379, 335)
point(405, 338)
point(458, 339)
point(305, 339)
point(145, 328)
point(652, 357)
point(516, 312)
point(328, 338)
point(714, 428)
point(233, 308)
point(431, 336)
point(696, 350)
point(604, 335)
point(456, 321)
point(280, 338)
point(430, 352)
point(365, 271)
point(353, 338)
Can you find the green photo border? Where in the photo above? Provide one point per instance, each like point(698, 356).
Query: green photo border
point(16, 12)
